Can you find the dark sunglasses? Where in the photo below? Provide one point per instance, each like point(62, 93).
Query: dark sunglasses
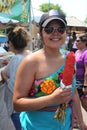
point(50, 30)
point(78, 40)
point(81, 40)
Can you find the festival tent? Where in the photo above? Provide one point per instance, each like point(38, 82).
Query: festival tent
point(3, 38)
point(73, 21)
point(75, 25)
point(6, 20)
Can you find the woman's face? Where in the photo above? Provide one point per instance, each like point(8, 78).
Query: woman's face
point(54, 34)
point(80, 44)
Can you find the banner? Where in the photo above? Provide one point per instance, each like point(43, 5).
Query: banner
point(15, 9)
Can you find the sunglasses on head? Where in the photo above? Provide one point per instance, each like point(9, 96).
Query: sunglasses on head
point(50, 30)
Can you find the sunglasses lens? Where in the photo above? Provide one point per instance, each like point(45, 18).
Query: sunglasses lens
point(78, 40)
point(61, 30)
point(48, 30)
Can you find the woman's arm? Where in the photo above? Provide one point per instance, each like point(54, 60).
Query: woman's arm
point(85, 80)
point(85, 75)
point(78, 112)
point(4, 76)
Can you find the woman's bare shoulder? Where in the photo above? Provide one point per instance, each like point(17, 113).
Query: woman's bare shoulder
point(27, 52)
point(33, 58)
point(36, 54)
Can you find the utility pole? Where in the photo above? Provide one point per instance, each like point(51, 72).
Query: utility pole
point(30, 22)
point(49, 5)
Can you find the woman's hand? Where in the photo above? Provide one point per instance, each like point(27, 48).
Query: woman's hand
point(5, 62)
point(4, 76)
point(60, 96)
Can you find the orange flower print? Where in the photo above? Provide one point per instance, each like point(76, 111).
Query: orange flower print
point(48, 86)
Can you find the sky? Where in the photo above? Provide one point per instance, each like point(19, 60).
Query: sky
point(77, 8)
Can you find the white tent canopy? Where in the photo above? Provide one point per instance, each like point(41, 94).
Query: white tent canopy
point(6, 20)
point(73, 21)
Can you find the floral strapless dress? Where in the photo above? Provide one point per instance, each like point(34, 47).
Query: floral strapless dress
point(44, 119)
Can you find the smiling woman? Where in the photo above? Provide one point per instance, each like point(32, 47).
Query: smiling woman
point(38, 92)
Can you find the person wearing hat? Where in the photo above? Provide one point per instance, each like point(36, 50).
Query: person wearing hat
point(37, 91)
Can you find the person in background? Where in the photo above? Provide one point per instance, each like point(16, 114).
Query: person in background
point(74, 47)
point(70, 44)
point(18, 39)
point(38, 92)
point(6, 46)
point(81, 64)
point(33, 43)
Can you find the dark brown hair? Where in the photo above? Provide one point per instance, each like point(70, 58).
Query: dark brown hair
point(19, 37)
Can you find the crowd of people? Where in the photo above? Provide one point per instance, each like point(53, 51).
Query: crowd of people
point(34, 91)
point(36, 43)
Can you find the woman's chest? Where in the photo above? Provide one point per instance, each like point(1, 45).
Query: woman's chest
point(46, 68)
point(47, 84)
